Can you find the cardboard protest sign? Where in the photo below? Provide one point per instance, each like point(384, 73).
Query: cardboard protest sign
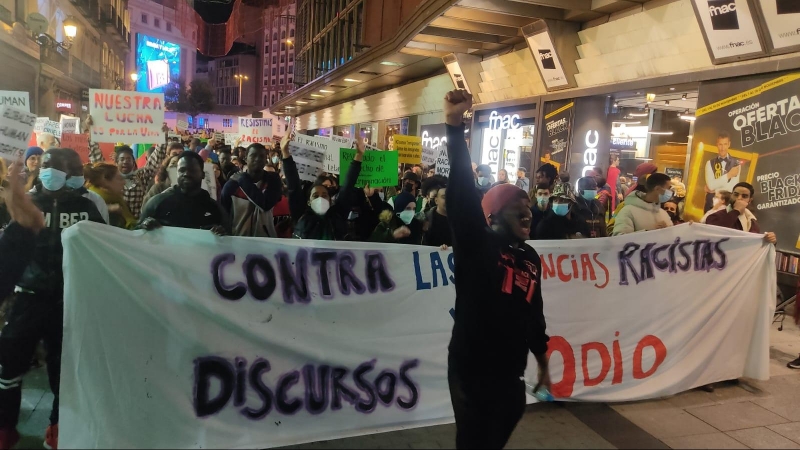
point(429, 155)
point(15, 99)
point(38, 126)
point(443, 162)
point(254, 131)
point(378, 169)
point(130, 117)
point(231, 139)
point(332, 153)
point(79, 143)
point(409, 148)
point(181, 125)
point(308, 153)
point(16, 128)
point(52, 127)
point(69, 125)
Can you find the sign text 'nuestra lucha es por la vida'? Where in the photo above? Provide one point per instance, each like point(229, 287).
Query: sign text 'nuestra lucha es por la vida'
point(133, 117)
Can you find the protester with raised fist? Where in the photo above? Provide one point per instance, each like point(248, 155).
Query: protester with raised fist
point(499, 313)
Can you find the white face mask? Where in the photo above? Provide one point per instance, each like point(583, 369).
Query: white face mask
point(406, 216)
point(717, 202)
point(320, 205)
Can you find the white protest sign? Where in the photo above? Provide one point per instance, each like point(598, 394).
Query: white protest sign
point(209, 180)
point(69, 124)
point(181, 125)
point(15, 99)
point(16, 128)
point(52, 127)
point(219, 137)
point(443, 162)
point(129, 117)
point(332, 153)
point(429, 156)
point(254, 131)
point(308, 152)
point(336, 339)
point(38, 127)
point(231, 139)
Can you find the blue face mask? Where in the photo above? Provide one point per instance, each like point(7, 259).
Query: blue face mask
point(52, 179)
point(75, 182)
point(668, 194)
point(589, 194)
point(561, 209)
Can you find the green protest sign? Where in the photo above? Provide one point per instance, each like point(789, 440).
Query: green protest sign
point(379, 169)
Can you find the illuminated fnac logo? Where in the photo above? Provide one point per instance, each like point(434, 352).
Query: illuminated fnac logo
point(507, 122)
point(590, 153)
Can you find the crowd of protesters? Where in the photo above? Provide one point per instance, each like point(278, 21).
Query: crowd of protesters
point(257, 191)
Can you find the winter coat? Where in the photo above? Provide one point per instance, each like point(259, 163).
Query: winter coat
point(639, 215)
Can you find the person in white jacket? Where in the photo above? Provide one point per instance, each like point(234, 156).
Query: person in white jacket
point(642, 210)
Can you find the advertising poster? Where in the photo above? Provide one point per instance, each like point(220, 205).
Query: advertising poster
point(254, 131)
point(544, 53)
point(591, 138)
point(748, 129)
point(15, 99)
point(130, 117)
point(158, 63)
point(783, 23)
point(378, 169)
point(16, 129)
point(556, 135)
point(409, 148)
point(729, 29)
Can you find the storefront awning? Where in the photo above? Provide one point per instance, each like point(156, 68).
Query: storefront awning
point(476, 27)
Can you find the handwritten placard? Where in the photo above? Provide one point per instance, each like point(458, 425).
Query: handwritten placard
point(130, 117)
point(378, 169)
point(16, 129)
point(443, 163)
point(69, 125)
point(429, 155)
point(15, 99)
point(38, 127)
point(254, 131)
point(332, 153)
point(308, 153)
point(409, 148)
point(77, 142)
point(181, 125)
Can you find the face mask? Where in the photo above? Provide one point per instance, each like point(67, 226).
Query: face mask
point(668, 194)
point(481, 181)
point(275, 160)
point(75, 182)
point(381, 195)
point(406, 216)
point(561, 209)
point(320, 205)
point(589, 194)
point(542, 201)
point(408, 187)
point(52, 179)
point(716, 202)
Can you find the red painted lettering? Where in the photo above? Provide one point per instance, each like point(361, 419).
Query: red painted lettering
point(563, 388)
point(661, 355)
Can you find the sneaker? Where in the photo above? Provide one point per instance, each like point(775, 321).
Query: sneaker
point(8, 438)
point(794, 364)
point(51, 437)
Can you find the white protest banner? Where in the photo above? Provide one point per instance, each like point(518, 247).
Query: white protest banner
point(231, 139)
point(209, 180)
point(181, 125)
point(332, 153)
point(443, 162)
point(254, 131)
point(259, 343)
point(69, 124)
point(309, 153)
point(16, 128)
point(219, 137)
point(38, 127)
point(15, 99)
point(129, 117)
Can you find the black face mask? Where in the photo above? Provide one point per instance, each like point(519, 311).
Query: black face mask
point(409, 187)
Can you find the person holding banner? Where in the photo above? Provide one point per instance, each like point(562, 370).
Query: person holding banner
point(39, 307)
point(105, 180)
point(499, 311)
point(642, 209)
point(249, 196)
point(187, 204)
point(737, 216)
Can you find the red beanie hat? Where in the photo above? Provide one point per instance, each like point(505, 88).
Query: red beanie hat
point(499, 196)
point(645, 169)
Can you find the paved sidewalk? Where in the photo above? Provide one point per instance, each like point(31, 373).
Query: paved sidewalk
point(752, 414)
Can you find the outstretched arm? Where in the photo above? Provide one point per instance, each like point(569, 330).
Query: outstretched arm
point(463, 202)
point(346, 197)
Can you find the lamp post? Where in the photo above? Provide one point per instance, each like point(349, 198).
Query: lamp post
point(134, 79)
point(70, 31)
point(241, 79)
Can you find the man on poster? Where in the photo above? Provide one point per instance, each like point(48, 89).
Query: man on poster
point(722, 172)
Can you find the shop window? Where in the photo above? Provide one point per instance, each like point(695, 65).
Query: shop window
point(144, 18)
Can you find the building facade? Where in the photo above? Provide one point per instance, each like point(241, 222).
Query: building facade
point(278, 48)
point(235, 79)
point(55, 71)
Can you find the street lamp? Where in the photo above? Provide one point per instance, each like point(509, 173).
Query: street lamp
point(70, 31)
point(134, 79)
point(241, 79)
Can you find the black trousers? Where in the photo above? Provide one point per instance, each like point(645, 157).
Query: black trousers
point(33, 318)
point(487, 409)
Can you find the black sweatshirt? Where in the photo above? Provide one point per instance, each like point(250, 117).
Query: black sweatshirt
point(498, 314)
point(16, 252)
point(173, 208)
